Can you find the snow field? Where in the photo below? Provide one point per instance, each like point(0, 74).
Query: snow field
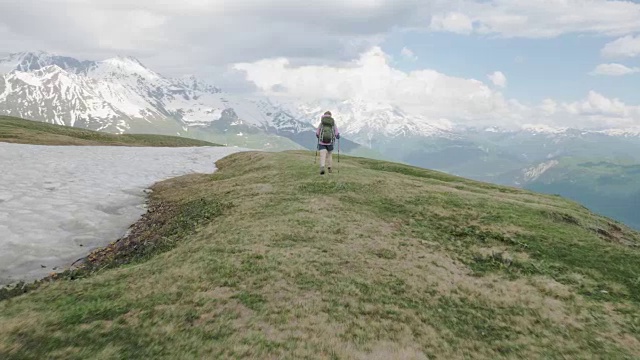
point(57, 203)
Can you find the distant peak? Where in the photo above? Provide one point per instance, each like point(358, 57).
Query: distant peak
point(632, 131)
point(124, 61)
point(543, 128)
point(33, 60)
point(194, 83)
point(41, 53)
point(129, 64)
point(51, 69)
point(128, 59)
point(33, 54)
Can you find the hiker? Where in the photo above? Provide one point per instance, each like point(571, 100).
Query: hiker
point(326, 133)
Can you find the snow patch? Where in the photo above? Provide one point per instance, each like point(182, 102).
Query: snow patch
point(129, 102)
point(7, 89)
point(631, 132)
point(28, 78)
point(535, 172)
point(127, 64)
point(55, 211)
point(543, 129)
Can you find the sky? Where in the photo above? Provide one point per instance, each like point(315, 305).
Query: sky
point(555, 62)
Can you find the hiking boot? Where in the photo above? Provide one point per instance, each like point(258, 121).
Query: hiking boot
point(321, 171)
point(329, 170)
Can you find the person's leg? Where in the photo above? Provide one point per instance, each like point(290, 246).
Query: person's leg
point(329, 160)
point(323, 155)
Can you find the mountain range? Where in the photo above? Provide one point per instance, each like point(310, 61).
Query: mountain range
point(122, 95)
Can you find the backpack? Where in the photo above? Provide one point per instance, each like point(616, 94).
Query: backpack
point(327, 135)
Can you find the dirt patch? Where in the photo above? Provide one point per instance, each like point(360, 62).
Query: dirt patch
point(615, 234)
point(563, 217)
point(431, 270)
point(552, 288)
point(519, 293)
point(263, 188)
point(387, 350)
point(506, 253)
point(132, 317)
point(217, 293)
point(322, 204)
point(508, 230)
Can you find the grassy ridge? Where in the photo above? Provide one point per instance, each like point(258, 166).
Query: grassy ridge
point(266, 259)
point(16, 130)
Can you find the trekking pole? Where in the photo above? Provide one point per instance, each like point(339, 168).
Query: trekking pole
point(338, 156)
point(316, 156)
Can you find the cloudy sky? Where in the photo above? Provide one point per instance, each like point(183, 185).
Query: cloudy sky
point(558, 62)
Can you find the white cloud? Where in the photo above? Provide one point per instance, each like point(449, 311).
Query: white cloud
point(541, 18)
point(204, 32)
point(549, 107)
point(370, 77)
point(219, 32)
point(595, 111)
point(431, 94)
point(453, 22)
point(628, 46)
point(598, 111)
point(614, 70)
point(597, 104)
point(498, 79)
point(408, 54)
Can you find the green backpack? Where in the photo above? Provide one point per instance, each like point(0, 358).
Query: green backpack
point(327, 135)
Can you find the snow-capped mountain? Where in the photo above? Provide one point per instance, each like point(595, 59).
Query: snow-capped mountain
point(362, 119)
point(631, 132)
point(54, 95)
point(116, 93)
point(31, 61)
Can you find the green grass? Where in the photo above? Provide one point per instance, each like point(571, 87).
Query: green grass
point(15, 130)
point(267, 259)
